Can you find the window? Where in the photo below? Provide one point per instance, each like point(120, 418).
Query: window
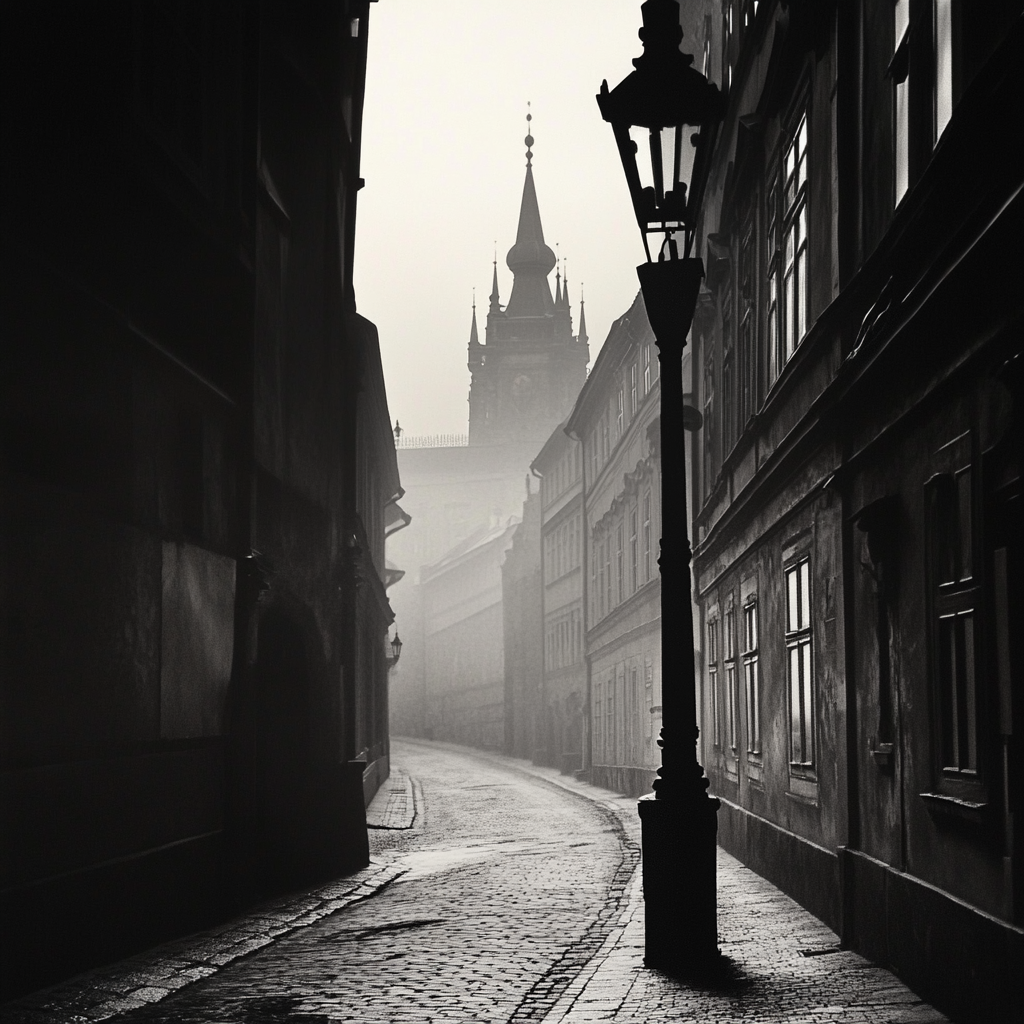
point(794, 241)
point(955, 597)
point(731, 682)
point(632, 390)
point(772, 291)
point(647, 367)
point(647, 537)
point(716, 715)
point(633, 563)
point(942, 36)
point(609, 719)
point(727, 44)
point(620, 567)
point(607, 575)
point(799, 671)
point(728, 372)
point(619, 414)
point(899, 67)
point(747, 398)
point(710, 470)
point(707, 47)
point(752, 678)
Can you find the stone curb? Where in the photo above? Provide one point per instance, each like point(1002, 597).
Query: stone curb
point(396, 805)
point(148, 977)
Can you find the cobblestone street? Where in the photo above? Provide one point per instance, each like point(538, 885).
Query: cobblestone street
point(497, 892)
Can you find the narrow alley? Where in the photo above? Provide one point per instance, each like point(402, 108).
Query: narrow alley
point(497, 891)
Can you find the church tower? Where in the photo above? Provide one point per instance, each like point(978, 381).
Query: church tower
point(528, 372)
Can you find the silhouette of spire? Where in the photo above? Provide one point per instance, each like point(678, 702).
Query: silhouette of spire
point(583, 338)
point(530, 260)
point(565, 284)
point(495, 300)
point(558, 282)
point(474, 336)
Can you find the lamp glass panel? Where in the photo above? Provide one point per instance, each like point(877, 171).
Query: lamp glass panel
point(641, 140)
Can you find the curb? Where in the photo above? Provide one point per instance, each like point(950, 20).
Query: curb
point(149, 977)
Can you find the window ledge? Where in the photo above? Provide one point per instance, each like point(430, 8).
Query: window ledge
point(944, 806)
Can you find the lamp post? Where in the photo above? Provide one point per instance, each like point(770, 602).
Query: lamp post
point(395, 647)
point(677, 109)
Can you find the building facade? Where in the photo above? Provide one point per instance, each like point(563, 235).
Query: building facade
point(859, 471)
point(522, 613)
point(615, 422)
point(197, 472)
point(562, 731)
point(463, 628)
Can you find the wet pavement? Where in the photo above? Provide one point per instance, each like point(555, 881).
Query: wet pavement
point(497, 891)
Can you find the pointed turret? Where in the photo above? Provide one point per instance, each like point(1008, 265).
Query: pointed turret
point(565, 286)
point(495, 300)
point(475, 355)
point(530, 260)
point(558, 288)
point(582, 338)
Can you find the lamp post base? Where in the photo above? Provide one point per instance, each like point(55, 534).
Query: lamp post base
point(680, 910)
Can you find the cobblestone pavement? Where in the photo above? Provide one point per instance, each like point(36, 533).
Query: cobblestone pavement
point(499, 892)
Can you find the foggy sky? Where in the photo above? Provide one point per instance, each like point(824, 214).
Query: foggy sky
point(447, 85)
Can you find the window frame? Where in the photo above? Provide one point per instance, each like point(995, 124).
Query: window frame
point(798, 640)
point(731, 676)
point(956, 591)
point(794, 218)
point(750, 653)
point(711, 634)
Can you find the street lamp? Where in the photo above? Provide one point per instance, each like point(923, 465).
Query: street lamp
point(678, 110)
point(396, 650)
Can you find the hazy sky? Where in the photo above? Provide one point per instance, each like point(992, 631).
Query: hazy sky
point(447, 85)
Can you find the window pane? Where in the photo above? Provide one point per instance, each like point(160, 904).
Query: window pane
point(948, 656)
point(792, 603)
point(713, 687)
point(789, 329)
point(808, 702)
point(796, 745)
point(801, 291)
point(902, 140)
point(805, 594)
point(963, 494)
point(901, 16)
point(943, 65)
point(801, 140)
point(969, 694)
point(756, 728)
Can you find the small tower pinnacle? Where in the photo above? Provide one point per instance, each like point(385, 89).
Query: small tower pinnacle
point(582, 337)
point(474, 336)
point(495, 306)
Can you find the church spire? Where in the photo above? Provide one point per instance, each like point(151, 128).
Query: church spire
point(565, 284)
point(495, 300)
point(530, 260)
point(582, 338)
point(558, 285)
point(474, 335)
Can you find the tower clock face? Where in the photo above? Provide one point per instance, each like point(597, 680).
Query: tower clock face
point(522, 387)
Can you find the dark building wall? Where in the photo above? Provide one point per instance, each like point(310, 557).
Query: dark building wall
point(883, 446)
point(179, 372)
